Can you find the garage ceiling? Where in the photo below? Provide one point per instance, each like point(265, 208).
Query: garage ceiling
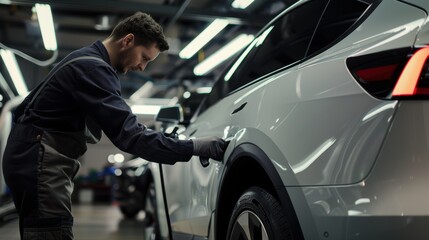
point(81, 22)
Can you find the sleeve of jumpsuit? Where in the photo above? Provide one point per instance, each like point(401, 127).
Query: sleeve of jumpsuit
point(98, 94)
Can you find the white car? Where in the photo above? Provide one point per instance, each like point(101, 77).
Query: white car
point(328, 121)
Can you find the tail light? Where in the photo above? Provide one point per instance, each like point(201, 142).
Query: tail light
point(414, 80)
point(395, 74)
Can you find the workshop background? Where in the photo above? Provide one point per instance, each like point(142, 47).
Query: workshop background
point(172, 78)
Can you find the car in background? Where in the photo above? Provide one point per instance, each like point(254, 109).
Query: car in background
point(8, 102)
point(327, 116)
point(135, 179)
point(134, 176)
point(134, 192)
point(133, 187)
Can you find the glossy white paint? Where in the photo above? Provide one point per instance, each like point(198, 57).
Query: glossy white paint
point(391, 202)
point(349, 162)
point(160, 209)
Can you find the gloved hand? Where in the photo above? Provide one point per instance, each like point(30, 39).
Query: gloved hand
point(209, 147)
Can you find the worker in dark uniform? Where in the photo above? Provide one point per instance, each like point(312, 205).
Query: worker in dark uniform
point(48, 135)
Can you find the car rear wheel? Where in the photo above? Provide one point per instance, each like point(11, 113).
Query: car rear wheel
point(129, 209)
point(258, 215)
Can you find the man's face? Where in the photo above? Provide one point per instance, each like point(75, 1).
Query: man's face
point(134, 57)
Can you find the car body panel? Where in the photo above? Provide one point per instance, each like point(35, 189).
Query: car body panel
point(328, 139)
point(395, 191)
point(163, 222)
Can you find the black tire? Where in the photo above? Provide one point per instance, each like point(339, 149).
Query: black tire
point(129, 211)
point(259, 214)
point(132, 205)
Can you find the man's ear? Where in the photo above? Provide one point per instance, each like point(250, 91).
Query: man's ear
point(128, 40)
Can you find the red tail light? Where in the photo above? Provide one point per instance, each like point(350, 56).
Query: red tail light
point(412, 79)
point(395, 74)
point(378, 73)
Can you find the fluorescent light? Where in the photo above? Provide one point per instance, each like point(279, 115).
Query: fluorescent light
point(203, 38)
point(46, 24)
point(104, 23)
point(241, 3)
point(14, 71)
point(145, 109)
point(223, 54)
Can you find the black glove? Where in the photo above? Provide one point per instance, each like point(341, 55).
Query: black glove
point(209, 147)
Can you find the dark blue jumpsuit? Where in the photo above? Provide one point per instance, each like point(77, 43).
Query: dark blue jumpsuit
point(40, 158)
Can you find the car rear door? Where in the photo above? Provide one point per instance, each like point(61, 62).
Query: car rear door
point(191, 190)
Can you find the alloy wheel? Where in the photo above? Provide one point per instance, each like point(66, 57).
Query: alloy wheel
point(248, 226)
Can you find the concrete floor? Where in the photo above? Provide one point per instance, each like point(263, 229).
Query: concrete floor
point(93, 222)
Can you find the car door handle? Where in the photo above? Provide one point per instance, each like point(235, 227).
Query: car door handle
point(193, 132)
point(239, 108)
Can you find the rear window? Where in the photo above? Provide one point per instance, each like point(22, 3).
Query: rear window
point(292, 37)
point(281, 44)
point(339, 17)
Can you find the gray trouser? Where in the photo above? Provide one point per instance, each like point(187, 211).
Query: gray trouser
point(39, 168)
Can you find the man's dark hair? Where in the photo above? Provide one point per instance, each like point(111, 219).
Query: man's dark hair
point(146, 30)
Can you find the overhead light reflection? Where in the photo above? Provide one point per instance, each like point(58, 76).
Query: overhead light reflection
point(283, 168)
point(304, 164)
point(379, 109)
point(256, 43)
point(223, 54)
point(239, 60)
point(263, 36)
point(240, 134)
point(362, 201)
point(354, 213)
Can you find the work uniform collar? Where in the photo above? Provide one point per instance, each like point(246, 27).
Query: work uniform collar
point(103, 51)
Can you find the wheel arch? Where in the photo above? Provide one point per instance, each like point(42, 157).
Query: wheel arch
point(235, 181)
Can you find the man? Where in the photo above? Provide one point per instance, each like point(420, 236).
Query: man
point(48, 136)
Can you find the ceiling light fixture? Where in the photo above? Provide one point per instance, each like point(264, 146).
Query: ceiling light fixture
point(104, 24)
point(241, 3)
point(203, 38)
point(238, 43)
point(46, 23)
point(14, 71)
